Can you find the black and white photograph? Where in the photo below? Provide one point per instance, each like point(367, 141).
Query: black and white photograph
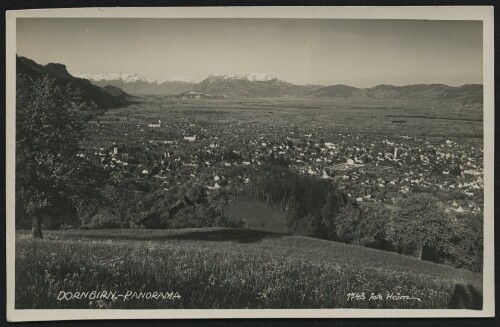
point(250, 162)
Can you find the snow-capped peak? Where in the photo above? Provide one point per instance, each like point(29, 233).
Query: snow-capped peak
point(129, 78)
point(260, 77)
point(125, 77)
point(132, 77)
point(225, 76)
point(253, 77)
point(174, 79)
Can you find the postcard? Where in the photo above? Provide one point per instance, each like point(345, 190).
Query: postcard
point(250, 162)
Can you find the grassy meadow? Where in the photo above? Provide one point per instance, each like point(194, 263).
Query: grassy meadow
point(224, 268)
point(258, 215)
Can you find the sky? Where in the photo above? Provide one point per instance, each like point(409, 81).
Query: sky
point(360, 53)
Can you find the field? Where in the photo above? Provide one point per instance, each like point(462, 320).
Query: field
point(226, 268)
point(258, 216)
point(324, 117)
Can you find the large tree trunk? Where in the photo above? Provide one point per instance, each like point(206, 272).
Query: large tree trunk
point(36, 228)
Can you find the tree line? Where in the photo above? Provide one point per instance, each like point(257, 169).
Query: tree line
point(54, 187)
point(419, 226)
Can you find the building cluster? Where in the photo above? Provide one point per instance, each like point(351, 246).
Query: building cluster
point(370, 168)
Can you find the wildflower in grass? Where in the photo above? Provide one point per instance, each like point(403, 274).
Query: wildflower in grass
point(245, 280)
point(261, 295)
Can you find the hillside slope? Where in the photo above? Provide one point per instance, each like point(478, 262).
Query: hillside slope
point(231, 268)
point(119, 93)
point(89, 92)
point(343, 91)
point(281, 246)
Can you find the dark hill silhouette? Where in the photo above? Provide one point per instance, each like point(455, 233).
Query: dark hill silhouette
point(119, 93)
point(89, 92)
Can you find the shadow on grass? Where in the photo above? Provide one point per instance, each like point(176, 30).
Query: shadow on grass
point(466, 297)
point(231, 235)
point(222, 235)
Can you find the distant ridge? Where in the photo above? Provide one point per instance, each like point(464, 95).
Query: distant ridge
point(240, 86)
point(135, 84)
point(235, 87)
point(264, 85)
point(109, 98)
point(340, 90)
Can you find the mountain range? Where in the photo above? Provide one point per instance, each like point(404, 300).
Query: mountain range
point(263, 85)
point(104, 98)
point(135, 84)
point(118, 89)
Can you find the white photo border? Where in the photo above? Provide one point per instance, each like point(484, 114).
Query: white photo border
point(480, 13)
